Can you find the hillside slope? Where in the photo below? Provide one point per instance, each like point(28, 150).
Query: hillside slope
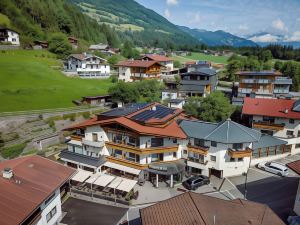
point(38, 19)
point(217, 38)
point(134, 21)
point(29, 81)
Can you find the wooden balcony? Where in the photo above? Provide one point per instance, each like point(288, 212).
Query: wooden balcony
point(76, 137)
point(240, 153)
point(139, 151)
point(268, 126)
point(198, 149)
point(125, 162)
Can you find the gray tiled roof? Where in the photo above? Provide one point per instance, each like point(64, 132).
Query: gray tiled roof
point(193, 87)
point(84, 159)
point(195, 82)
point(202, 71)
point(225, 132)
point(268, 141)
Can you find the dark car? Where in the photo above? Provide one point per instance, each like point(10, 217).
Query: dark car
point(196, 181)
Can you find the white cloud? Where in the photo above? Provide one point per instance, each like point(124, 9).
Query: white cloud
point(265, 38)
point(167, 13)
point(194, 17)
point(294, 37)
point(279, 25)
point(172, 2)
point(243, 27)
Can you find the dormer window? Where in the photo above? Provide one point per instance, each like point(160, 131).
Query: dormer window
point(237, 146)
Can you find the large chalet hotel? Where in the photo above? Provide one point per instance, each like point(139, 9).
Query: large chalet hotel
point(153, 142)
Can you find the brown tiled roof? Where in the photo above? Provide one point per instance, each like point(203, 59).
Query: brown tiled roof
point(295, 166)
point(191, 208)
point(39, 177)
point(137, 63)
point(158, 58)
point(78, 56)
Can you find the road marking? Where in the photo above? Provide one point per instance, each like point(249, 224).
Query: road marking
point(231, 183)
point(232, 196)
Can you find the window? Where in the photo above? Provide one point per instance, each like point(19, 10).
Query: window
point(51, 214)
point(269, 132)
point(291, 121)
point(118, 153)
point(199, 142)
point(297, 145)
point(175, 141)
point(213, 144)
point(157, 142)
point(174, 154)
point(213, 158)
point(268, 119)
point(95, 137)
point(232, 160)
point(237, 146)
point(50, 199)
point(131, 157)
point(298, 133)
point(132, 140)
point(240, 159)
point(289, 133)
point(185, 152)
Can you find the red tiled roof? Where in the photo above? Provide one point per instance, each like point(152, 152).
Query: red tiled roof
point(270, 107)
point(295, 166)
point(137, 63)
point(267, 72)
point(39, 177)
point(158, 58)
point(193, 208)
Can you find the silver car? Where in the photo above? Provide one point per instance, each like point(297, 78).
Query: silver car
point(274, 167)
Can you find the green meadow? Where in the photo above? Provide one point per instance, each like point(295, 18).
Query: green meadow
point(201, 56)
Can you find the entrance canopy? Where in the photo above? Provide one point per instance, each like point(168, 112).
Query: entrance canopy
point(92, 179)
point(104, 180)
point(168, 168)
point(122, 168)
point(116, 182)
point(126, 185)
point(81, 175)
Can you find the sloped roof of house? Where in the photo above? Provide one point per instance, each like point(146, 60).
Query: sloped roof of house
point(295, 166)
point(260, 73)
point(158, 58)
point(99, 46)
point(193, 208)
point(268, 141)
point(227, 132)
point(284, 108)
point(84, 159)
point(201, 71)
point(78, 56)
point(39, 177)
point(192, 87)
point(137, 63)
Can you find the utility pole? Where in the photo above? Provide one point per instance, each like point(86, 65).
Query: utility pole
point(246, 179)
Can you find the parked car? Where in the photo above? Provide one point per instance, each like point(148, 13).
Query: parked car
point(196, 181)
point(274, 167)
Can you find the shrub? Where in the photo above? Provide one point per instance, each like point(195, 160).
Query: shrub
point(13, 151)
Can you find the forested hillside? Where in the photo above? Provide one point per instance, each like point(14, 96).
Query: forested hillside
point(136, 23)
point(38, 19)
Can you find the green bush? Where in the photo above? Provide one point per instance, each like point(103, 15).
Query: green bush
point(13, 151)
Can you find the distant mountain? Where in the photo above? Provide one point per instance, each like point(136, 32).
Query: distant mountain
point(217, 38)
point(266, 38)
point(135, 22)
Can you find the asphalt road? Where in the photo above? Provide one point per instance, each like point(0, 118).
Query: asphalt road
point(80, 212)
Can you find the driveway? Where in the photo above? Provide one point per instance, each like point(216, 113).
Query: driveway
point(80, 212)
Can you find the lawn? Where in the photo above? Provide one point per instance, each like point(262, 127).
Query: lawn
point(31, 80)
point(201, 56)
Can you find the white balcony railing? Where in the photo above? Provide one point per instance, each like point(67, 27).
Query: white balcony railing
point(96, 144)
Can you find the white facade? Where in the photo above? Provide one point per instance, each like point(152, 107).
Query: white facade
point(125, 74)
point(51, 213)
point(166, 94)
point(10, 36)
point(94, 67)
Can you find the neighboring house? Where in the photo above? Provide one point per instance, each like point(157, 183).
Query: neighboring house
point(295, 166)
point(198, 81)
point(137, 70)
point(194, 208)
point(40, 45)
point(87, 66)
point(223, 149)
point(73, 41)
point(9, 36)
point(276, 117)
point(104, 49)
point(176, 103)
point(32, 189)
point(163, 60)
point(100, 100)
point(263, 83)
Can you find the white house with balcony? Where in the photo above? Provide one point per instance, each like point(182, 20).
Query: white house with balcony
point(276, 117)
point(9, 36)
point(87, 66)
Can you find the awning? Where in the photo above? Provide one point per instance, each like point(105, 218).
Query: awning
point(74, 142)
point(82, 175)
point(115, 183)
point(126, 185)
point(122, 168)
point(104, 180)
point(93, 178)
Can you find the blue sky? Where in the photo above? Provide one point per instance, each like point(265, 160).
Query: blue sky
point(241, 17)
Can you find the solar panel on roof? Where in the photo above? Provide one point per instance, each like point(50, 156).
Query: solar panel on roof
point(159, 113)
point(126, 110)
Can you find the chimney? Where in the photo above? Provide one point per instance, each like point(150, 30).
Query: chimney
point(153, 108)
point(7, 173)
point(286, 111)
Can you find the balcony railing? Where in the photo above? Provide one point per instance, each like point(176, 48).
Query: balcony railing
point(255, 81)
point(233, 153)
point(267, 125)
point(125, 162)
point(76, 137)
point(195, 160)
point(198, 149)
point(137, 150)
point(97, 144)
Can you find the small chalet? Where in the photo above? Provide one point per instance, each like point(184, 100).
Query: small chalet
point(73, 41)
point(8, 35)
point(163, 60)
point(40, 44)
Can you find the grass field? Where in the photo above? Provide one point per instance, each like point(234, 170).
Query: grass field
point(31, 80)
point(201, 56)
